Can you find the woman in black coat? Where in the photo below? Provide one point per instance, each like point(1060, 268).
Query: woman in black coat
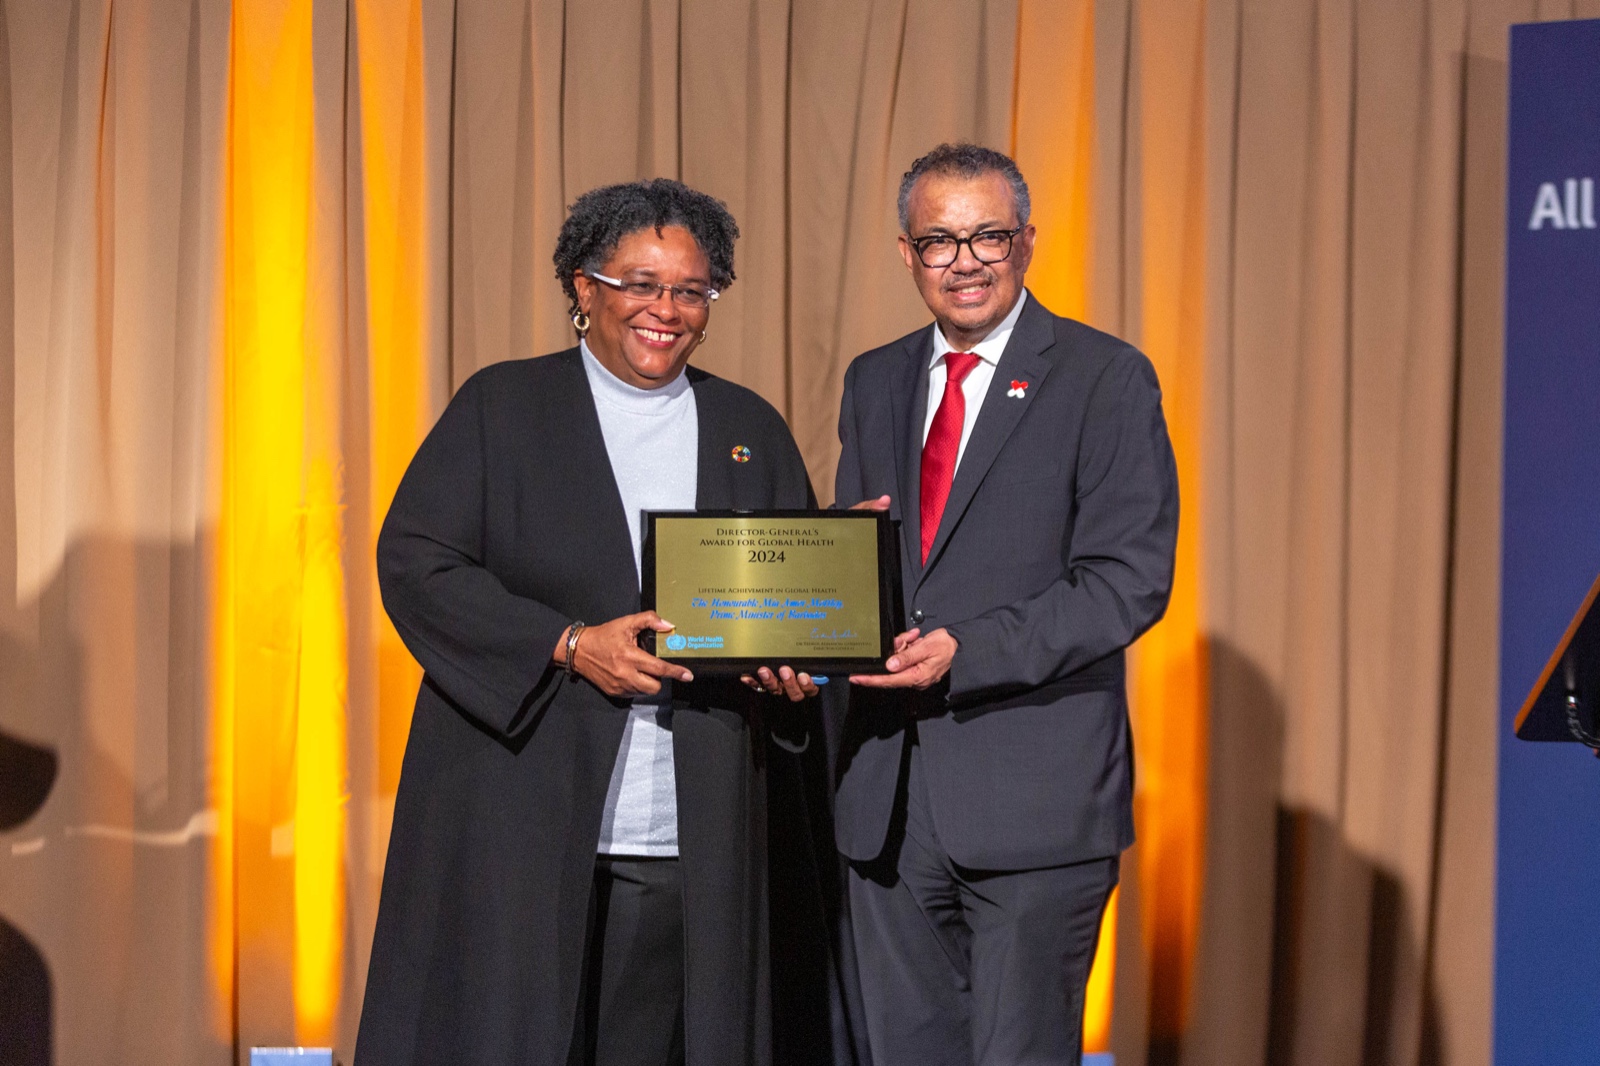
point(553, 895)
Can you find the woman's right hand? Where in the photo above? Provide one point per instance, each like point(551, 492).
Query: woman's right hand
point(609, 656)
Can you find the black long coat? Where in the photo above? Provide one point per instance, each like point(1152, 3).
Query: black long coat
point(507, 527)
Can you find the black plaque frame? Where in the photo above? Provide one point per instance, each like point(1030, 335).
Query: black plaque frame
point(891, 601)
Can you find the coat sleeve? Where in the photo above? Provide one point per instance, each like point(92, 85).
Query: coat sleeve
point(1119, 568)
point(847, 490)
point(487, 650)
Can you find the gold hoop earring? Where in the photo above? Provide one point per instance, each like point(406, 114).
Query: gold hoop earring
point(580, 322)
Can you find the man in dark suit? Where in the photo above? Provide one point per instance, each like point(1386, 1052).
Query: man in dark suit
point(985, 782)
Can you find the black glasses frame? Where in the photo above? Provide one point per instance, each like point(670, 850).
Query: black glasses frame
point(920, 243)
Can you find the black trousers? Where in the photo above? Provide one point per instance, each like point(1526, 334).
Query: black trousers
point(962, 967)
point(631, 1011)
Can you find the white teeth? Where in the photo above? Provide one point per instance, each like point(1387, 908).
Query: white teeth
point(655, 335)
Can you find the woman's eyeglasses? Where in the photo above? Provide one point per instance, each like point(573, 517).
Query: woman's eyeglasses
point(682, 295)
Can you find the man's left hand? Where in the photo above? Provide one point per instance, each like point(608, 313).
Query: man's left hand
point(918, 662)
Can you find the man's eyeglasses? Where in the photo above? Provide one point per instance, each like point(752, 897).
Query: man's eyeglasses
point(987, 246)
point(682, 295)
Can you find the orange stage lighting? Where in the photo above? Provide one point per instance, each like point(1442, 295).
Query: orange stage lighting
point(282, 655)
point(394, 233)
point(1169, 683)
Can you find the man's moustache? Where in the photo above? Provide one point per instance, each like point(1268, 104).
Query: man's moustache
point(967, 279)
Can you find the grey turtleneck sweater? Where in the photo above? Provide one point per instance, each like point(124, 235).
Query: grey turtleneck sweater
point(653, 441)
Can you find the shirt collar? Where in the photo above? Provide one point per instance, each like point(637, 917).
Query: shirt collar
point(991, 346)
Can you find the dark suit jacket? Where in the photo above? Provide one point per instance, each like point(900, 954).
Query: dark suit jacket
point(1055, 551)
point(507, 527)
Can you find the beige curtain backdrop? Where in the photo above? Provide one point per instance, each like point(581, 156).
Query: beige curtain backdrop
point(1295, 206)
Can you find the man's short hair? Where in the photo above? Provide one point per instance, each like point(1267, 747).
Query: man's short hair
point(966, 161)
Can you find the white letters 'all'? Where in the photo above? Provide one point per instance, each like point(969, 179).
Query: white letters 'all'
point(1569, 206)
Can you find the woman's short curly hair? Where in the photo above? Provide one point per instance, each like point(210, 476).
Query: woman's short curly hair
point(600, 218)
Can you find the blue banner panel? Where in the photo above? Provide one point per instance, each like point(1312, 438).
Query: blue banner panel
point(1547, 950)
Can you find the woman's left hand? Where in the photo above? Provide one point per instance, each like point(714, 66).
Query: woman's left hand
point(785, 682)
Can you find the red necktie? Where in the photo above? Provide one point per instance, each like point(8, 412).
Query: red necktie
point(943, 445)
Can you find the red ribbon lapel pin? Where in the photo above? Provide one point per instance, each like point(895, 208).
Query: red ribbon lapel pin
point(1018, 390)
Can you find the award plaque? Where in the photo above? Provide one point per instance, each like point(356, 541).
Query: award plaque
point(818, 591)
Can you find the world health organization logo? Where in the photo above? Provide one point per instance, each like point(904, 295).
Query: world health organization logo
point(677, 642)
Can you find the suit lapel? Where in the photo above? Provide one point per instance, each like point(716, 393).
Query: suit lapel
point(1023, 360)
point(910, 406)
point(714, 487)
point(612, 541)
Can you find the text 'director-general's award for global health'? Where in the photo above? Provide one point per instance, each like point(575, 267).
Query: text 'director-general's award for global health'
point(815, 590)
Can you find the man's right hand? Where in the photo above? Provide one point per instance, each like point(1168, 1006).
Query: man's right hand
point(880, 504)
point(609, 656)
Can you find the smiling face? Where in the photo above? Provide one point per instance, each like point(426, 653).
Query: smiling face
point(646, 343)
point(967, 298)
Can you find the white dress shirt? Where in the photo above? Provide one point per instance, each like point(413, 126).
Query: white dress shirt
point(975, 386)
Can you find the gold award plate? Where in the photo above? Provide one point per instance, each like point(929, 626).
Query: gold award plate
point(815, 590)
